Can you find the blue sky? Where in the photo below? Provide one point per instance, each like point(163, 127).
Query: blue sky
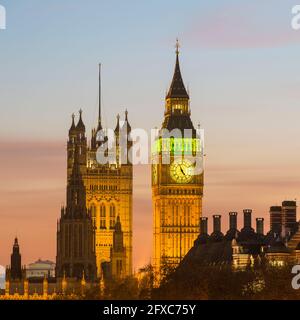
point(50, 50)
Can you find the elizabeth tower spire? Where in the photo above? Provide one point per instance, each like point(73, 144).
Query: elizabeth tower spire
point(177, 188)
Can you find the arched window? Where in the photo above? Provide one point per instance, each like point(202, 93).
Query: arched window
point(93, 214)
point(112, 216)
point(102, 217)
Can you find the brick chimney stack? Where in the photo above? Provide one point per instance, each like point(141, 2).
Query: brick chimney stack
point(260, 226)
point(232, 220)
point(247, 218)
point(217, 223)
point(203, 225)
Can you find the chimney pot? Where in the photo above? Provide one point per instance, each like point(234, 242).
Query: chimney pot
point(232, 220)
point(247, 218)
point(260, 226)
point(203, 225)
point(276, 219)
point(217, 223)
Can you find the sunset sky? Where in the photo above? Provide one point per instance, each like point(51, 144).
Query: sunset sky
point(241, 63)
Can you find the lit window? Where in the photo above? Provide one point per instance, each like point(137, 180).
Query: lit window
point(93, 213)
point(102, 217)
point(112, 215)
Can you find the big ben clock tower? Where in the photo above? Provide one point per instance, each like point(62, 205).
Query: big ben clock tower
point(177, 178)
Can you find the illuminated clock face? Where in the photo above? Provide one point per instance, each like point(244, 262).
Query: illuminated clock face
point(182, 171)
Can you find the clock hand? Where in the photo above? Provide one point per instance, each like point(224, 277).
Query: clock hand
point(182, 170)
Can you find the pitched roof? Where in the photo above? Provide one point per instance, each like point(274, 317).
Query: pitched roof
point(177, 88)
point(73, 127)
point(80, 124)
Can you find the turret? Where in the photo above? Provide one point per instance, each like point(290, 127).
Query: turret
point(81, 142)
point(118, 237)
point(127, 124)
point(117, 128)
point(16, 266)
point(76, 195)
point(125, 140)
point(80, 127)
point(118, 252)
point(177, 109)
point(75, 217)
point(177, 99)
point(72, 130)
point(71, 145)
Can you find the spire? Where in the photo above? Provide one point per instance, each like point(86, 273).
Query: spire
point(118, 227)
point(80, 124)
point(76, 192)
point(177, 88)
point(15, 261)
point(177, 46)
point(73, 127)
point(16, 246)
point(117, 129)
point(126, 123)
point(118, 236)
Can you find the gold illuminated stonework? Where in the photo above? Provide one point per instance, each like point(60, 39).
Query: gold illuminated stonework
point(108, 194)
point(176, 190)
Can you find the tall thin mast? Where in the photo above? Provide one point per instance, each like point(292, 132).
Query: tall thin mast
point(99, 117)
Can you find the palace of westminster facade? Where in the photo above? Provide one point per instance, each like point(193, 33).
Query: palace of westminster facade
point(94, 232)
point(104, 193)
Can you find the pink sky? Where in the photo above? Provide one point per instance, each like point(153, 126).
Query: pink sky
point(240, 61)
point(243, 25)
point(33, 188)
